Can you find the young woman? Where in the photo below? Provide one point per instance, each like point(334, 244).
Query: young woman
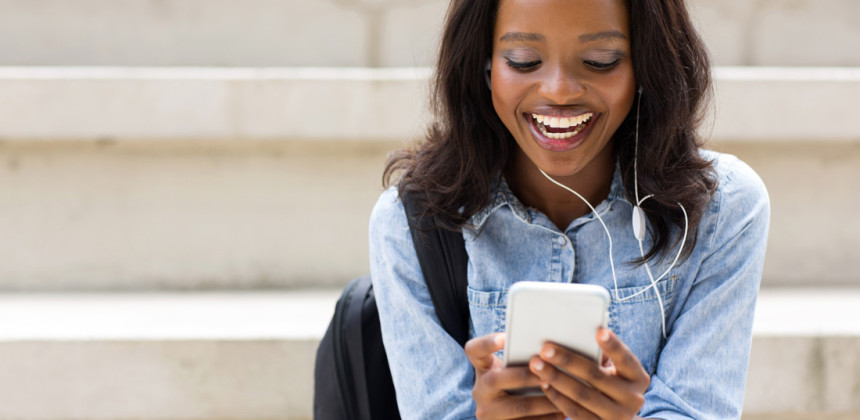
point(536, 99)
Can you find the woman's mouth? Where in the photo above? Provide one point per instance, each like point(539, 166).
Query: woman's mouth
point(560, 133)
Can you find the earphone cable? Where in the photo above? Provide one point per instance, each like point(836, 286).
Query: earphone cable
point(608, 236)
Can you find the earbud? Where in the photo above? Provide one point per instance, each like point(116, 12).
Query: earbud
point(638, 223)
point(640, 90)
point(487, 73)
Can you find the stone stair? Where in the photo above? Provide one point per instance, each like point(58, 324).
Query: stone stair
point(369, 33)
point(158, 268)
point(185, 187)
point(250, 355)
point(181, 179)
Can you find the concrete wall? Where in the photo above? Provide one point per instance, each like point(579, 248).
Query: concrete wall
point(367, 32)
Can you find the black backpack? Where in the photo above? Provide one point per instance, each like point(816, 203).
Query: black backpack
point(351, 377)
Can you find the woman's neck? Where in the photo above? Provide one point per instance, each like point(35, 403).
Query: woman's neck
point(533, 189)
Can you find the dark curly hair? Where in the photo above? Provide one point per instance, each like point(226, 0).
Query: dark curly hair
point(451, 173)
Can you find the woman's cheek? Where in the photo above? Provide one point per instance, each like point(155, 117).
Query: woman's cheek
point(504, 104)
point(508, 93)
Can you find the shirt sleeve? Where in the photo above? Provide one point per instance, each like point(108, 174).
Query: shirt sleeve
point(702, 370)
point(432, 377)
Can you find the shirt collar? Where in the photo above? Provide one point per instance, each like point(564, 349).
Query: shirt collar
point(501, 195)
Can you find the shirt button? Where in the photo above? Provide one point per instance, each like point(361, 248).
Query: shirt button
point(562, 240)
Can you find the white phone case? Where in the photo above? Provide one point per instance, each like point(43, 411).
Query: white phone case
point(568, 314)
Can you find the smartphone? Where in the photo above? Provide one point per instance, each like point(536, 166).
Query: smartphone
point(568, 314)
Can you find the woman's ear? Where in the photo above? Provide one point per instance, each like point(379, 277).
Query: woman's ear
point(489, 68)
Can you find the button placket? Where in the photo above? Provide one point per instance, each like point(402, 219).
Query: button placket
point(569, 261)
point(556, 266)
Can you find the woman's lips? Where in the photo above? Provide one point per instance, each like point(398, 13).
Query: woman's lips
point(560, 140)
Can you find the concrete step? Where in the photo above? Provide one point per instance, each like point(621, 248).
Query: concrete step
point(367, 32)
point(753, 104)
point(250, 355)
point(189, 179)
point(160, 356)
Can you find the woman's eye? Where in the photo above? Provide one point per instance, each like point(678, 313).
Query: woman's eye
point(600, 65)
point(528, 65)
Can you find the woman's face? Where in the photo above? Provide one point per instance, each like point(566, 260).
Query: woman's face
point(562, 79)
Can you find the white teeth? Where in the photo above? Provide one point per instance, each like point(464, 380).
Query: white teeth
point(575, 123)
point(560, 136)
point(556, 122)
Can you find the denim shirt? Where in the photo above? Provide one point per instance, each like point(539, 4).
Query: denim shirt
point(699, 371)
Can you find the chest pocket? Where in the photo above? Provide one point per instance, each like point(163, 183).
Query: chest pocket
point(487, 310)
point(634, 315)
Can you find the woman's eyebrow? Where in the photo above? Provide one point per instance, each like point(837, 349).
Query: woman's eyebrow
point(601, 36)
point(522, 36)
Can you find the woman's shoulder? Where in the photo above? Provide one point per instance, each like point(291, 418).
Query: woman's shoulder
point(737, 182)
point(740, 198)
point(388, 216)
point(388, 204)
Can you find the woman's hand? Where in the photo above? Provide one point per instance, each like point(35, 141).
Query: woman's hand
point(492, 379)
point(617, 387)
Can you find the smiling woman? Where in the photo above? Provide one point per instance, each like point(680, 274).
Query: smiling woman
point(536, 99)
point(555, 61)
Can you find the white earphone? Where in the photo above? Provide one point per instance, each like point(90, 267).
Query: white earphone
point(639, 223)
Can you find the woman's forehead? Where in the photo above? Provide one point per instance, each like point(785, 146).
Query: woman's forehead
point(569, 17)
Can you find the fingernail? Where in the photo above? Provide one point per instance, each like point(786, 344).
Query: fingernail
point(549, 352)
point(544, 385)
point(537, 365)
point(604, 335)
point(499, 340)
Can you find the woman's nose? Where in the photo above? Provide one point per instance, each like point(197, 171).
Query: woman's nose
point(561, 86)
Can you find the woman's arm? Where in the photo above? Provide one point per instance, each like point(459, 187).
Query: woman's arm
point(432, 376)
point(702, 368)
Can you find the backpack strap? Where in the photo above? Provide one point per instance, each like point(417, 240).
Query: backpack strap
point(443, 259)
